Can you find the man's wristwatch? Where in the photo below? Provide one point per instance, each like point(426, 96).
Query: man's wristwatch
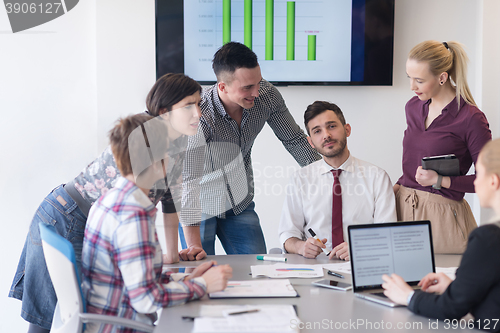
point(437, 186)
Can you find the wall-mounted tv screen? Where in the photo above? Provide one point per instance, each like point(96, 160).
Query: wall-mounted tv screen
point(299, 42)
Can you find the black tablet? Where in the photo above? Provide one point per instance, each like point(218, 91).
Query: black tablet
point(445, 165)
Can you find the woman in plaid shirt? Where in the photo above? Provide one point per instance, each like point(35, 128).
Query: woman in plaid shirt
point(67, 206)
point(121, 256)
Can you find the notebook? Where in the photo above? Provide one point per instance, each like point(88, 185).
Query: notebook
point(445, 165)
point(404, 248)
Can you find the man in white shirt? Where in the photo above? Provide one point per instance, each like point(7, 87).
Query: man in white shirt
point(366, 190)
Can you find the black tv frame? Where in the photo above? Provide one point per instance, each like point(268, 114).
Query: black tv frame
point(376, 51)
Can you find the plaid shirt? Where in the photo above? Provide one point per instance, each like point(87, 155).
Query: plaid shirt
point(122, 261)
point(218, 164)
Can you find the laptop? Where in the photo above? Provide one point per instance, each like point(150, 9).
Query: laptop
point(404, 248)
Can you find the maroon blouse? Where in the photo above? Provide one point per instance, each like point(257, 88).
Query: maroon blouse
point(461, 131)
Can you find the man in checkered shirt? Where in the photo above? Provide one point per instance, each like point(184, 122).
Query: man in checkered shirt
point(218, 186)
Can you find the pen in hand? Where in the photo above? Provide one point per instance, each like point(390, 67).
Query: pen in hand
point(335, 274)
point(313, 234)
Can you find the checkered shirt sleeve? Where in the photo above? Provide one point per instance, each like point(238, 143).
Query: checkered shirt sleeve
point(218, 163)
point(122, 259)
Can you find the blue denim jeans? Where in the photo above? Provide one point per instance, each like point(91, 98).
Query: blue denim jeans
point(238, 234)
point(32, 282)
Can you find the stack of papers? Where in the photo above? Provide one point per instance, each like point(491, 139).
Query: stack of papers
point(256, 288)
point(287, 271)
point(341, 267)
point(279, 318)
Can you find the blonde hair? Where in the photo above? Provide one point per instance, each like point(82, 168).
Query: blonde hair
point(449, 57)
point(490, 157)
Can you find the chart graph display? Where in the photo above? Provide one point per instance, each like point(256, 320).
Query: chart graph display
point(305, 42)
point(291, 38)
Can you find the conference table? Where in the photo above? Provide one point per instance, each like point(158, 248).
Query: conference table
point(319, 309)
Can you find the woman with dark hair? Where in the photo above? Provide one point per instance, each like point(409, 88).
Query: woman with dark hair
point(175, 98)
point(441, 119)
point(121, 257)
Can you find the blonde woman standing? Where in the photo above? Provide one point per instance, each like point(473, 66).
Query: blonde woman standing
point(441, 119)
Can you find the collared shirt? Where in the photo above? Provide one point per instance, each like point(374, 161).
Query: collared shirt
point(225, 162)
point(462, 131)
point(122, 260)
point(367, 197)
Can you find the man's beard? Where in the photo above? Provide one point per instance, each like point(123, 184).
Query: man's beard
point(335, 152)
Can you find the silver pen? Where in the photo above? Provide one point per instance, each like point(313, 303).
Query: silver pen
point(335, 274)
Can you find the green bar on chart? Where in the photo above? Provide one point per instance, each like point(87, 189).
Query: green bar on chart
point(311, 47)
point(269, 29)
point(226, 21)
point(247, 13)
point(290, 30)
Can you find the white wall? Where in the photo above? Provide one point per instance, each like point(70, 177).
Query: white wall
point(488, 92)
point(126, 68)
point(63, 84)
point(48, 103)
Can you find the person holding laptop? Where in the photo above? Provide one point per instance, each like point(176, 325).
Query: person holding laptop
point(442, 119)
point(334, 192)
point(476, 288)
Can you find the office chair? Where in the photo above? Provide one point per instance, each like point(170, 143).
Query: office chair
point(70, 315)
point(275, 250)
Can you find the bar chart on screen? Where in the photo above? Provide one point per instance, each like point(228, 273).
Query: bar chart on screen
point(294, 37)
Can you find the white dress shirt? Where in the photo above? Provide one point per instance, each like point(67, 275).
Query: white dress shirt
point(367, 197)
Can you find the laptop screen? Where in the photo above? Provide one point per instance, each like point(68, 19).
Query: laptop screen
point(404, 248)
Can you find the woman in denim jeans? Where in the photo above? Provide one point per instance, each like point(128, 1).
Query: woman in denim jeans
point(67, 206)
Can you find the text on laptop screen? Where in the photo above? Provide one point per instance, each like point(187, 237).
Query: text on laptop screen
point(404, 250)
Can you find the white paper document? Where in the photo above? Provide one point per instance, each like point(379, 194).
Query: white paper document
point(449, 271)
point(257, 288)
point(341, 267)
point(281, 271)
point(274, 318)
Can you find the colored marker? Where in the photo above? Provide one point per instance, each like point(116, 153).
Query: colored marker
point(313, 234)
point(283, 259)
